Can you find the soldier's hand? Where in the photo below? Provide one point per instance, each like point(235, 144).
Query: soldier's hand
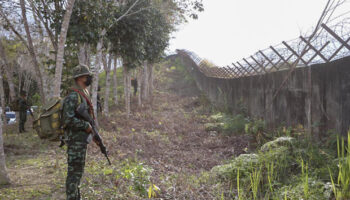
point(89, 129)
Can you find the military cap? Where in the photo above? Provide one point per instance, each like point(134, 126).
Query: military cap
point(81, 70)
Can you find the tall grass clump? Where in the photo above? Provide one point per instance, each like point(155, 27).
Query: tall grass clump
point(305, 178)
point(255, 179)
point(342, 183)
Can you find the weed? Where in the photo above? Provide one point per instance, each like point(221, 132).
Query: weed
point(255, 178)
point(305, 178)
point(341, 189)
point(152, 191)
point(238, 186)
point(138, 174)
point(270, 175)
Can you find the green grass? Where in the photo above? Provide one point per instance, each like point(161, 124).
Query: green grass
point(288, 170)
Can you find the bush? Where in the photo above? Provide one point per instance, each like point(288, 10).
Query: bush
point(235, 124)
point(317, 190)
point(279, 142)
point(283, 169)
point(138, 174)
point(245, 163)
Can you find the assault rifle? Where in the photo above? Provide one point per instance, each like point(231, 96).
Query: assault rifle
point(82, 111)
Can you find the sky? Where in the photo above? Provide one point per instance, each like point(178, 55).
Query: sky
point(229, 30)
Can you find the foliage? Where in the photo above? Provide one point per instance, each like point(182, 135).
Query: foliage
point(231, 124)
point(283, 168)
point(255, 127)
point(139, 175)
point(235, 124)
point(88, 19)
point(281, 141)
point(341, 185)
point(318, 190)
point(120, 86)
point(142, 36)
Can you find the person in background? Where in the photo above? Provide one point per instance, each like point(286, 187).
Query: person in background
point(134, 84)
point(23, 107)
point(99, 100)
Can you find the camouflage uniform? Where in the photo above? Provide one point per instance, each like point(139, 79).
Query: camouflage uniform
point(76, 142)
point(23, 107)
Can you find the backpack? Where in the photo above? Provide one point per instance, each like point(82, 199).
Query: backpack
point(49, 124)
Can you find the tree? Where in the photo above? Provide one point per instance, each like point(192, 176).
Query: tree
point(8, 71)
point(141, 36)
point(107, 67)
point(124, 23)
point(2, 95)
point(31, 50)
point(4, 179)
point(156, 42)
point(115, 83)
point(60, 47)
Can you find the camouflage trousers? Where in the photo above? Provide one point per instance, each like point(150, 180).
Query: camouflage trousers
point(76, 162)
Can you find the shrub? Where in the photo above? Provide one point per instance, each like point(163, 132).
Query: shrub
point(317, 190)
point(278, 171)
point(138, 174)
point(235, 124)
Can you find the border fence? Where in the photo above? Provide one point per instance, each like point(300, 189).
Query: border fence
point(329, 44)
point(302, 81)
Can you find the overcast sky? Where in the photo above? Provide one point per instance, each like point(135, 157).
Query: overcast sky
point(229, 30)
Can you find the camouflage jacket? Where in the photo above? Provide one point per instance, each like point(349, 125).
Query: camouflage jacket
point(74, 126)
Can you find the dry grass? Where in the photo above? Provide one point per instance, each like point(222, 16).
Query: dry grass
point(168, 137)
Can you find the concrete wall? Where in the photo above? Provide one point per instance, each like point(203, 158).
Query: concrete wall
point(330, 95)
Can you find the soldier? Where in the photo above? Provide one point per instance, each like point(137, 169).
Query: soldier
point(78, 131)
point(23, 107)
point(99, 100)
point(134, 85)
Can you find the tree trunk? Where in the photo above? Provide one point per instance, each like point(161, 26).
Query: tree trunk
point(139, 79)
point(32, 52)
point(8, 71)
point(150, 80)
point(115, 83)
point(83, 54)
point(127, 83)
point(96, 72)
point(47, 84)
point(4, 179)
point(108, 84)
point(20, 77)
point(145, 83)
point(2, 96)
point(27, 83)
point(60, 49)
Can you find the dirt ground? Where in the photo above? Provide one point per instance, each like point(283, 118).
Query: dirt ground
point(167, 135)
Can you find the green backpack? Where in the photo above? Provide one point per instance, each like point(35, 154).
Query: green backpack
point(49, 124)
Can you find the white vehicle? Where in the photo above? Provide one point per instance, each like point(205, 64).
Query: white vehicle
point(10, 117)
